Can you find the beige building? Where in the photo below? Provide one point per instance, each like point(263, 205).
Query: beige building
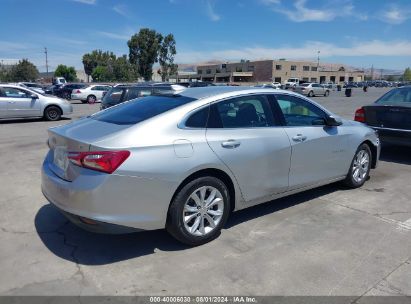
point(275, 70)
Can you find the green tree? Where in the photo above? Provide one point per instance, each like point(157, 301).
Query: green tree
point(98, 58)
point(100, 73)
point(123, 70)
point(143, 51)
point(407, 75)
point(166, 54)
point(23, 71)
point(89, 64)
point(69, 73)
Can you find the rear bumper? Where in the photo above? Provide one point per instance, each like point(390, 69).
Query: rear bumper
point(394, 136)
point(110, 200)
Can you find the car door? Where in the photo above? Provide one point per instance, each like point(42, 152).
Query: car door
point(317, 89)
point(20, 103)
point(244, 135)
point(3, 104)
point(318, 151)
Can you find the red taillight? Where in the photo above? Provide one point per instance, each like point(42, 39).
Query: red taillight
point(78, 91)
point(104, 161)
point(360, 115)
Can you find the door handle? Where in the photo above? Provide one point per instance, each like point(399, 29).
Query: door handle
point(230, 144)
point(299, 138)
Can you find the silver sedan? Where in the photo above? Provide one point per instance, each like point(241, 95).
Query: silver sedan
point(185, 161)
point(20, 102)
point(312, 89)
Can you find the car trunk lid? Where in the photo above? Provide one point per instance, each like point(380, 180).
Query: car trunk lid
point(76, 137)
point(393, 116)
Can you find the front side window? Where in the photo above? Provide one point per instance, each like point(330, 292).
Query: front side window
point(16, 93)
point(396, 96)
point(298, 112)
point(241, 112)
point(133, 93)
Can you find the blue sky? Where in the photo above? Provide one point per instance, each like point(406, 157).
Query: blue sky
point(359, 33)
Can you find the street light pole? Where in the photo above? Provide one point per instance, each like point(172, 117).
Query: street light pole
point(47, 63)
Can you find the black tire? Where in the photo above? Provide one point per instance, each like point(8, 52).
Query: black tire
point(310, 94)
point(350, 181)
point(66, 95)
point(175, 221)
point(326, 93)
point(52, 113)
point(91, 99)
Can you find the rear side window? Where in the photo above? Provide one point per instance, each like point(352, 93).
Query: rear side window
point(198, 119)
point(241, 112)
point(138, 110)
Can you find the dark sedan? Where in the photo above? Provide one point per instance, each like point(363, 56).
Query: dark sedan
point(390, 115)
point(66, 90)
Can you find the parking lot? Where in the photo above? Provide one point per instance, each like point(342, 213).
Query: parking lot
point(326, 241)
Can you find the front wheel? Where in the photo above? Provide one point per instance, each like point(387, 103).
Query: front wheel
point(326, 93)
point(360, 167)
point(310, 94)
point(52, 113)
point(199, 211)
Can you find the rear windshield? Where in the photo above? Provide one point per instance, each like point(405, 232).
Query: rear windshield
point(304, 85)
point(140, 109)
point(396, 96)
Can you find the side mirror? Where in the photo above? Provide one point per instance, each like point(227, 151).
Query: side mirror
point(333, 121)
point(319, 122)
point(34, 96)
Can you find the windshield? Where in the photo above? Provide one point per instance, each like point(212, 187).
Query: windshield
point(140, 109)
point(396, 96)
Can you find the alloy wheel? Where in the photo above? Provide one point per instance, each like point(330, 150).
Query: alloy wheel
point(360, 166)
point(203, 211)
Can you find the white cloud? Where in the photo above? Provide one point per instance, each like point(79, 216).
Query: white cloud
point(90, 2)
point(117, 36)
point(395, 15)
point(308, 50)
point(210, 11)
point(301, 13)
point(122, 10)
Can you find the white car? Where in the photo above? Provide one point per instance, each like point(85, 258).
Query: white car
point(18, 102)
point(90, 93)
point(276, 85)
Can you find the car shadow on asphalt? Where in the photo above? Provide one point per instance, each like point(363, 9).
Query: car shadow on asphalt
point(396, 154)
point(26, 120)
point(71, 243)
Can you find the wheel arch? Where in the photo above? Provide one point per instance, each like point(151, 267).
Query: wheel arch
point(217, 173)
point(374, 153)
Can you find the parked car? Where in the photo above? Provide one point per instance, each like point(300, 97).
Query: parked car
point(65, 90)
point(51, 90)
point(185, 161)
point(312, 89)
point(267, 86)
point(276, 85)
point(91, 93)
point(390, 115)
point(34, 86)
point(19, 102)
point(122, 93)
point(59, 80)
point(292, 82)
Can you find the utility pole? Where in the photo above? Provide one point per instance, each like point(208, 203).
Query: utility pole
point(318, 67)
point(47, 63)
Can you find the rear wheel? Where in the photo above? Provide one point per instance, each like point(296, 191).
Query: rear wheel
point(91, 99)
point(199, 211)
point(52, 113)
point(326, 93)
point(310, 94)
point(360, 167)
